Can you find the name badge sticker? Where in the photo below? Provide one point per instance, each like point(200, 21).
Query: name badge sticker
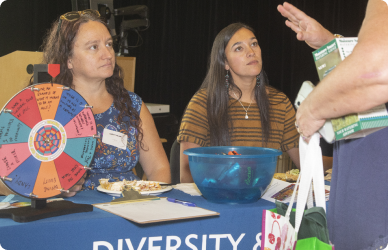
point(115, 138)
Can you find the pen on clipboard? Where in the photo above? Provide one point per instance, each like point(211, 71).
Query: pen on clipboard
point(186, 203)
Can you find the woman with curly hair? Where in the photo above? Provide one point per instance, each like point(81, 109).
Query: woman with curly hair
point(81, 43)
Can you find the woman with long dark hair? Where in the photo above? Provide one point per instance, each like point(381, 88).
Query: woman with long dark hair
point(81, 43)
point(235, 105)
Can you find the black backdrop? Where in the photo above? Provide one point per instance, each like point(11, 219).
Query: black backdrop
point(172, 62)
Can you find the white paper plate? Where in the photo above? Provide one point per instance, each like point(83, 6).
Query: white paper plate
point(4, 205)
point(118, 193)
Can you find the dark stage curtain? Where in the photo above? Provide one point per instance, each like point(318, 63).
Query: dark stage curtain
point(23, 23)
point(172, 62)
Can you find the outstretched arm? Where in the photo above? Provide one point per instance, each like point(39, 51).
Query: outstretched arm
point(294, 155)
point(153, 158)
point(357, 84)
point(185, 173)
point(306, 28)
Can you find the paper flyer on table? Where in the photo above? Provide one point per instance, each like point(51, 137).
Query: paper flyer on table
point(188, 188)
point(282, 191)
point(154, 211)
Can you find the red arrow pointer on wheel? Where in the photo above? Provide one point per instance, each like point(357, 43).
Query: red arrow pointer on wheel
point(53, 70)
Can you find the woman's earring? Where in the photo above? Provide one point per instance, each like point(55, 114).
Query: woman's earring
point(258, 80)
point(227, 80)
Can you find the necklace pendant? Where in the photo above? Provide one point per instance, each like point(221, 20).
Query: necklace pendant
point(246, 116)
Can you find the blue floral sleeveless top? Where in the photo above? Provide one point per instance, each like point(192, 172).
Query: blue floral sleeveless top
point(109, 161)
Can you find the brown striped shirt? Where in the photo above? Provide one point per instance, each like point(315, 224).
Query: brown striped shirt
point(246, 132)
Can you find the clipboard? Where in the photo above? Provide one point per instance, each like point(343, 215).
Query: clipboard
point(153, 211)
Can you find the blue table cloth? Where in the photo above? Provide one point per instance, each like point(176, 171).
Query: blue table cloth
point(237, 227)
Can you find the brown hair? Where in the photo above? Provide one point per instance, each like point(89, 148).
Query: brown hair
point(58, 48)
point(218, 94)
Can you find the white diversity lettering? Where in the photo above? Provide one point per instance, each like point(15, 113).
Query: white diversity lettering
point(235, 243)
point(173, 238)
point(218, 237)
point(258, 240)
point(189, 244)
point(151, 245)
point(173, 242)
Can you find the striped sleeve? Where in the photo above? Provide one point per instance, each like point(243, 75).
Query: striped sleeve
point(194, 126)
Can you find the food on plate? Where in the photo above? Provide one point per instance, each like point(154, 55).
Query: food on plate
point(293, 172)
point(280, 176)
point(290, 176)
point(140, 186)
point(328, 174)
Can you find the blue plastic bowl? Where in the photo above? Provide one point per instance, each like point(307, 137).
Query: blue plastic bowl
point(232, 178)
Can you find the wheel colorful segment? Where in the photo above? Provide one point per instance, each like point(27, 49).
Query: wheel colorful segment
point(46, 140)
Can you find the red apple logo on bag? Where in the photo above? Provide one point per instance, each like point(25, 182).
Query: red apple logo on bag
point(278, 243)
point(274, 216)
point(271, 236)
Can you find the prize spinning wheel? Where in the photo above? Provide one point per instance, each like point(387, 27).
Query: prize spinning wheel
point(47, 140)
